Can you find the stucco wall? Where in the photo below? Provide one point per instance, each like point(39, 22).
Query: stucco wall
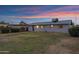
point(64, 29)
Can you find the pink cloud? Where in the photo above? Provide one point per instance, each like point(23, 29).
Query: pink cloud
point(52, 14)
point(59, 12)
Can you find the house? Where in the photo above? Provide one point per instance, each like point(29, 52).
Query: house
point(53, 26)
point(3, 25)
point(22, 26)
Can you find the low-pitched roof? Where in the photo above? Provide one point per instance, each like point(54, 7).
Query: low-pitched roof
point(3, 25)
point(64, 22)
point(18, 24)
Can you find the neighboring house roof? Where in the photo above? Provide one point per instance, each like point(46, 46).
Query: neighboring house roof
point(64, 22)
point(18, 24)
point(3, 24)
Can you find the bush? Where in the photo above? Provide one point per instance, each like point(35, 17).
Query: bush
point(14, 30)
point(74, 31)
point(4, 30)
point(22, 29)
point(10, 30)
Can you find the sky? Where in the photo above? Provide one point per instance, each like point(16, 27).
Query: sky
point(38, 13)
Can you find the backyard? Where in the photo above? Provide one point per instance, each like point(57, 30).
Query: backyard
point(38, 43)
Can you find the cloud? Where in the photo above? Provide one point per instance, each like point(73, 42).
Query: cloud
point(70, 8)
point(28, 10)
point(52, 15)
point(65, 11)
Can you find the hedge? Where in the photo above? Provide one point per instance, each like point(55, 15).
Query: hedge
point(14, 30)
point(9, 30)
point(74, 31)
point(4, 30)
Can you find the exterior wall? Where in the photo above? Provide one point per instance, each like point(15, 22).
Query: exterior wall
point(51, 29)
point(18, 26)
point(23, 28)
point(3, 25)
point(31, 28)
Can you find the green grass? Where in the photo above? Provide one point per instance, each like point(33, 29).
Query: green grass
point(29, 42)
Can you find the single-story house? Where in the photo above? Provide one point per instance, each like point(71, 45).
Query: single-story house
point(3, 26)
point(53, 26)
point(58, 26)
point(22, 26)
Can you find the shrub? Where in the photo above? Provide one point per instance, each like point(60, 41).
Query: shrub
point(22, 29)
point(4, 30)
point(74, 31)
point(14, 30)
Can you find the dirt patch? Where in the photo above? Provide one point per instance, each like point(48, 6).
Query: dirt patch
point(57, 49)
point(65, 46)
point(69, 41)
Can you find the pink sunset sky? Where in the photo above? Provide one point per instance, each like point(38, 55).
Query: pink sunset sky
point(63, 12)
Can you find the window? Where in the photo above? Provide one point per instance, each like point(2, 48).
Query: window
point(37, 26)
point(51, 25)
point(41, 26)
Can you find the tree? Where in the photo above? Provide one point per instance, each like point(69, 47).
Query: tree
point(55, 20)
point(22, 22)
point(2, 22)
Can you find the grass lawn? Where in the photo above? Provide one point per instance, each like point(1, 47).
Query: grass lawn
point(38, 42)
